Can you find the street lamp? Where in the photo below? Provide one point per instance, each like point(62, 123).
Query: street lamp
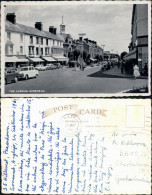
point(82, 35)
point(103, 50)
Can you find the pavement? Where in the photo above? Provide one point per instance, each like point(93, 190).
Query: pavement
point(115, 72)
point(68, 80)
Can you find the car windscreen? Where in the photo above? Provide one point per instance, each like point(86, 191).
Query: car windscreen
point(24, 69)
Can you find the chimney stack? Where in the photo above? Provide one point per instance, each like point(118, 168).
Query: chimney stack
point(86, 39)
point(51, 29)
point(11, 17)
point(39, 26)
point(80, 38)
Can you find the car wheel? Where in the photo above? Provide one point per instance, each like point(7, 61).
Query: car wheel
point(36, 75)
point(16, 79)
point(26, 77)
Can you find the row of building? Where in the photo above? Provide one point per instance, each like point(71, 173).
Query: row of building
point(138, 47)
point(25, 44)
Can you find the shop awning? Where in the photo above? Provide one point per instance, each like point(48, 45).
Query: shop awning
point(15, 59)
point(61, 58)
point(130, 55)
point(36, 59)
point(49, 59)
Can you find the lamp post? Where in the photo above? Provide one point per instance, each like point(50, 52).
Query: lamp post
point(82, 35)
point(103, 50)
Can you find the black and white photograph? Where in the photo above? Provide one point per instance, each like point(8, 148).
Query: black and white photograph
point(76, 48)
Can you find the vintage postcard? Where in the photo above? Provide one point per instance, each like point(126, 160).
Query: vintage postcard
point(76, 146)
point(75, 48)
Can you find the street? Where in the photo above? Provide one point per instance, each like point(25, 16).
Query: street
point(67, 80)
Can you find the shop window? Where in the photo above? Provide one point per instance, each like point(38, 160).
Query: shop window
point(21, 38)
point(8, 36)
point(142, 56)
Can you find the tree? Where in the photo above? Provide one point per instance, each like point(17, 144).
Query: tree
point(85, 56)
point(76, 54)
point(100, 58)
point(70, 55)
point(97, 57)
point(123, 54)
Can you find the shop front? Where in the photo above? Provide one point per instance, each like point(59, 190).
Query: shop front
point(36, 61)
point(62, 59)
point(15, 61)
point(48, 59)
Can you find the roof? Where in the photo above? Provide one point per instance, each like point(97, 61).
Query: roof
point(21, 28)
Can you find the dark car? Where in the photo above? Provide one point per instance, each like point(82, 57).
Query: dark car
point(11, 75)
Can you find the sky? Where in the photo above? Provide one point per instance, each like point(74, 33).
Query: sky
point(108, 24)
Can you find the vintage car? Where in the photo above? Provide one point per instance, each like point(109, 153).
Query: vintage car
point(40, 67)
point(28, 72)
point(11, 75)
point(53, 66)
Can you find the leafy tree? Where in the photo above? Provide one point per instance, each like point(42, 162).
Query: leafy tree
point(100, 58)
point(123, 54)
point(76, 54)
point(85, 56)
point(70, 55)
point(97, 57)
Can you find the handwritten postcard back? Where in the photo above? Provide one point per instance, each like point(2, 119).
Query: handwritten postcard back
point(63, 146)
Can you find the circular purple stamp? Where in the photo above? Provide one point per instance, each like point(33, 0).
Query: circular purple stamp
point(70, 124)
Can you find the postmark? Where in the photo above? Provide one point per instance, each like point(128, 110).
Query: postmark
point(70, 125)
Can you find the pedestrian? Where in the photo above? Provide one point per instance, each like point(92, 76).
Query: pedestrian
point(136, 71)
point(145, 69)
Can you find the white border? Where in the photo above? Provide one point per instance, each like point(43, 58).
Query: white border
point(73, 94)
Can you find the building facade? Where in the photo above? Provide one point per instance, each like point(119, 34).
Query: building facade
point(30, 44)
point(68, 45)
point(138, 47)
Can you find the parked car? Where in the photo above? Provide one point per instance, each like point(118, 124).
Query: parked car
point(48, 67)
point(53, 66)
point(28, 72)
point(40, 67)
point(11, 75)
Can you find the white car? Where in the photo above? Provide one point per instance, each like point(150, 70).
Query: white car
point(40, 67)
point(28, 72)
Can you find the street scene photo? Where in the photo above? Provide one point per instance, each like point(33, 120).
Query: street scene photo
point(76, 48)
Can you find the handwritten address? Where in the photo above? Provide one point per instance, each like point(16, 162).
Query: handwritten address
point(38, 158)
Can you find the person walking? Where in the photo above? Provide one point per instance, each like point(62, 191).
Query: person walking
point(136, 71)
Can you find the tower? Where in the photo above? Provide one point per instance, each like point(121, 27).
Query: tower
point(62, 27)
